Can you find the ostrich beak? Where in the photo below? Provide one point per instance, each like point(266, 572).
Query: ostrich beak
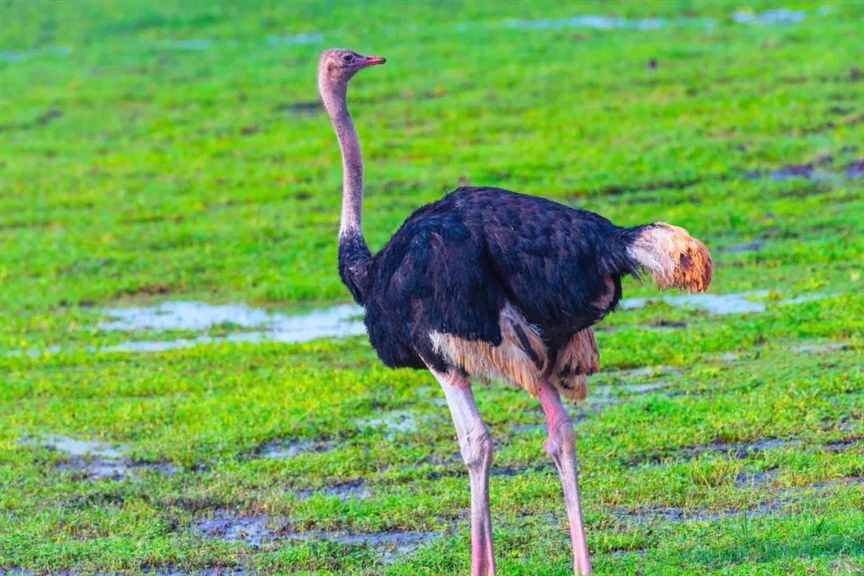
point(375, 60)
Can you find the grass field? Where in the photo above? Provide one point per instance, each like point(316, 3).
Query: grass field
point(175, 152)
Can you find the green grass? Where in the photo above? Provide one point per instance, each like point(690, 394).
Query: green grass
point(169, 151)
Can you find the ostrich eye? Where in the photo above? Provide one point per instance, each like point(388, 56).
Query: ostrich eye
point(347, 57)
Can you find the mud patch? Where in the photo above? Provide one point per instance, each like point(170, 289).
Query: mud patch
point(664, 324)
point(42, 119)
point(855, 169)
point(254, 530)
point(304, 108)
point(517, 470)
point(94, 460)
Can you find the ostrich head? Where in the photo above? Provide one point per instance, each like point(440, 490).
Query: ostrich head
point(338, 66)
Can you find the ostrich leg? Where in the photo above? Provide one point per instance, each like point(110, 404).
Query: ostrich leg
point(561, 447)
point(476, 447)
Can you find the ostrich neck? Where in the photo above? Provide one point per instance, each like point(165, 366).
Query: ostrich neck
point(354, 255)
point(352, 163)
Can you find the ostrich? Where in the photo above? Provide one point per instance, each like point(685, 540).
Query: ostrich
point(491, 284)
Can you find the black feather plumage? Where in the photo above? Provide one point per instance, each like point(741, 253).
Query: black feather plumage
point(454, 263)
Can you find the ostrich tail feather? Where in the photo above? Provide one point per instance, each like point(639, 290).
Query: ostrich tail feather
point(672, 257)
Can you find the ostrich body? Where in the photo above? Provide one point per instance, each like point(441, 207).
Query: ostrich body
point(491, 284)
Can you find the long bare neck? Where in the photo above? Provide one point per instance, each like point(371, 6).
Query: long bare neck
point(352, 162)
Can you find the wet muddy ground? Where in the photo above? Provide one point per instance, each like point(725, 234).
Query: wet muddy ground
point(778, 17)
point(239, 323)
point(260, 530)
point(723, 433)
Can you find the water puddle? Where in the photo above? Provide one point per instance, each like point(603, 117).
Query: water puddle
point(389, 545)
point(189, 44)
point(392, 423)
point(254, 530)
point(735, 450)
point(345, 491)
point(281, 449)
point(339, 321)
point(730, 357)
point(717, 304)
point(722, 304)
point(245, 324)
point(643, 372)
point(607, 390)
point(95, 460)
point(258, 530)
point(741, 450)
point(819, 171)
point(755, 246)
point(591, 22)
point(843, 445)
point(778, 17)
point(658, 514)
point(820, 348)
point(770, 17)
point(79, 448)
point(755, 479)
point(528, 428)
point(775, 505)
point(295, 39)
point(184, 316)
point(15, 56)
point(220, 571)
point(184, 44)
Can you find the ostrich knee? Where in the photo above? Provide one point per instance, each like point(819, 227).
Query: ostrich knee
point(561, 440)
point(477, 449)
